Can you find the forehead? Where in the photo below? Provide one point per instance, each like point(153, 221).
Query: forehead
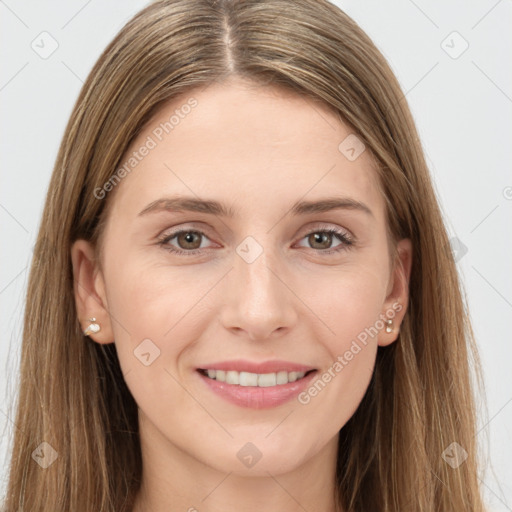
point(246, 145)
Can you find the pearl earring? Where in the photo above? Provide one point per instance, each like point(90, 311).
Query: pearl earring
point(93, 327)
point(389, 327)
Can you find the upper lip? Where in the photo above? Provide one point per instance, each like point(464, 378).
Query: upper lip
point(240, 365)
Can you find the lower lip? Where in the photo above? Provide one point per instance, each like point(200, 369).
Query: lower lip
point(255, 397)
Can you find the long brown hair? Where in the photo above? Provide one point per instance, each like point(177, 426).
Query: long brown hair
point(72, 394)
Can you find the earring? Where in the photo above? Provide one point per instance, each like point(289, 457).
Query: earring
point(93, 327)
point(389, 327)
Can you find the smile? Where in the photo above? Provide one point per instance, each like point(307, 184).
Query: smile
point(261, 380)
point(256, 390)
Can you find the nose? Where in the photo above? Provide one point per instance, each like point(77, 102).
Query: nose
point(259, 303)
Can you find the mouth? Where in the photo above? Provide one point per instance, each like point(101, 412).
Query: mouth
point(248, 379)
point(256, 385)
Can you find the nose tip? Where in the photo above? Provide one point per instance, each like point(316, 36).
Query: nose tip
point(257, 301)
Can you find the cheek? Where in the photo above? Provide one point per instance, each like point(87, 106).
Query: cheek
point(161, 304)
point(156, 317)
point(348, 301)
point(336, 393)
point(351, 310)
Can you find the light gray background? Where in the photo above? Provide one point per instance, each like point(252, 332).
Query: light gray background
point(463, 110)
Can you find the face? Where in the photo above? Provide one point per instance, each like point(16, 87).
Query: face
point(248, 238)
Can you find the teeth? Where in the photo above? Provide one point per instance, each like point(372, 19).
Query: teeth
point(232, 378)
point(248, 379)
point(262, 380)
point(265, 380)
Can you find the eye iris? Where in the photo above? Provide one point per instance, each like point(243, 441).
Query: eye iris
point(317, 237)
point(192, 239)
point(188, 237)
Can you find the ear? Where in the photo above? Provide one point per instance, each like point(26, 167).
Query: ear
point(89, 291)
point(395, 305)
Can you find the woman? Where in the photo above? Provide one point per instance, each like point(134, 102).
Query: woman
point(241, 296)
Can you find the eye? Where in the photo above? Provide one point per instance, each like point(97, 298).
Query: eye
point(190, 243)
point(189, 240)
point(323, 239)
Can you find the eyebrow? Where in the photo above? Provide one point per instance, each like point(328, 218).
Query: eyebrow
point(193, 204)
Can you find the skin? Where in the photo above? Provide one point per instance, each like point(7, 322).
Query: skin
point(258, 150)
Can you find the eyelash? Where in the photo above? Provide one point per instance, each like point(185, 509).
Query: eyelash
point(346, 241)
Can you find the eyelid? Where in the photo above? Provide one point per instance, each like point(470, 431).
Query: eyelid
point(199, 227)
point(347, 238)
point(322, 225)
